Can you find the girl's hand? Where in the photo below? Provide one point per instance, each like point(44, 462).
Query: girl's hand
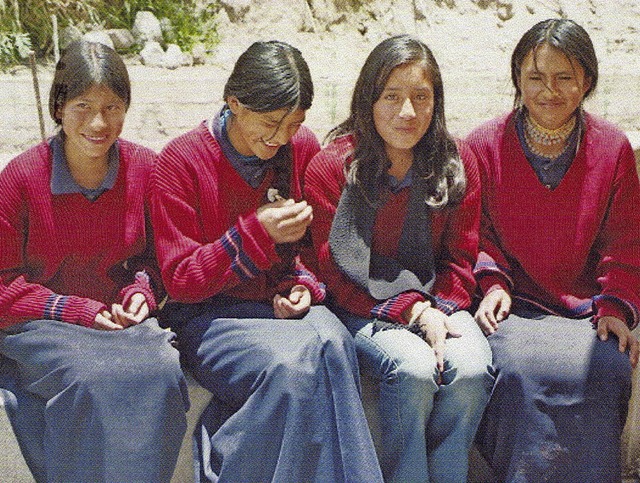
point(136, 311)
point(296, 304)
point(493, 309)
point(285, 220)
point(103, 322)
point(434, 324)
point(626, 340)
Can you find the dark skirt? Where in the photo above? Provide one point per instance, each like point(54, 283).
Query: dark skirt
point(94, 406)
point(286, 405)
point(559, 403)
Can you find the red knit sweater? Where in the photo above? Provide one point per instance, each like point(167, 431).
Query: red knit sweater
point(574, 250)
point(208, 238)
point(64, 257)
point(455, 237)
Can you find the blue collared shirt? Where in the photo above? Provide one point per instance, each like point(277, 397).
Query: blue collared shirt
point(251, 168)
point(62, 181)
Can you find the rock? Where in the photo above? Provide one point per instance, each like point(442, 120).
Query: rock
point(146, 27)
point(199, 54)
point(69, 34)
point(174, 57)
point(122, 38)
point(99, 36)
point(152, 54)
point(236, 9)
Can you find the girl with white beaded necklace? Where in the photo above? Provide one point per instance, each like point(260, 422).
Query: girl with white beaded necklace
point(558, 268)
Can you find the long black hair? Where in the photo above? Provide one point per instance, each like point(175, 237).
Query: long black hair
point(270, 76)
point(436, 156)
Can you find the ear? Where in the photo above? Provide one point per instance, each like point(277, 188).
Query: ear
point(234, 104)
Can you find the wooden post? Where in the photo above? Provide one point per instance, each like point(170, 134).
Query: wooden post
point(36, 88)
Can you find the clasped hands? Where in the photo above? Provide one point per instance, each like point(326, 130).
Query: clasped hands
point(121, 317)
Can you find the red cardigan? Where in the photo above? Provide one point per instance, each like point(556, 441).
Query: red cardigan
point(66, 258)
point(455, 237)
point(575, 250)
point(208, 238)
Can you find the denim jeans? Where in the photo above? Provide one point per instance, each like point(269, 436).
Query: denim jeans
point(426, 428)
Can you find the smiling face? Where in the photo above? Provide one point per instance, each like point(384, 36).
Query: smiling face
point(91, 123)
point(552, 85)
point(404, 110)
point(261, 133)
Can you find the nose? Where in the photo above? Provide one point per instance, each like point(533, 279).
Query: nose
point(407, 111)
point(280, 136)
point(552, 86)
point(98, 121)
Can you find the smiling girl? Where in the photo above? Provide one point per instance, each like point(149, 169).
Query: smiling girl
point(396, 211)
point(229, 218)
point(559, 268)
point(77, 290)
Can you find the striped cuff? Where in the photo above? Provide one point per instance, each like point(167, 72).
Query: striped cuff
point(241, 264)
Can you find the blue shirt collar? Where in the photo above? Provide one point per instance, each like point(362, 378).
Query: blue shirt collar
point(62, 181)
point(251, 168)
point(397, 185)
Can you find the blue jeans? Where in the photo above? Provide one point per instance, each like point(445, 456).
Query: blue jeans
point(426, 428)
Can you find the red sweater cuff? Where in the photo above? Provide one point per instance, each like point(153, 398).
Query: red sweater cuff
point(141, 285)
point(489, 283)
point(258, 244)
point(81, 311)
point(393, 308)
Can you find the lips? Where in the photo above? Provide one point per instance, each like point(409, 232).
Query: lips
point(95, 139)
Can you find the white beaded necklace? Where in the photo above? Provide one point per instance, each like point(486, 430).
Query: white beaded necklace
point(535, 133)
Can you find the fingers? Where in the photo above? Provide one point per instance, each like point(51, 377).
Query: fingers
point(102, 321)
point(486, 320)
point(295, 305)
point(138, 309)
point(602, 330)
point(286, 221)
point(505, 309)
point(626, 340)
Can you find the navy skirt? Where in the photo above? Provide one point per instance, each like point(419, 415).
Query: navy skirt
point(559, 403)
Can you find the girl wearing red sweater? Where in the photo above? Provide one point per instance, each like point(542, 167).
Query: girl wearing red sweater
point(100, 380)
point(559, 268)
point(396, 213)
point(229, 217)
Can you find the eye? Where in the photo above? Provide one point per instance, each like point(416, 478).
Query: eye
point(421, 97)
point(391, 97)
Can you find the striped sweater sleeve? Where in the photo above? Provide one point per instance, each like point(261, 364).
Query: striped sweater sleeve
point(192, 267)
point(21, 300)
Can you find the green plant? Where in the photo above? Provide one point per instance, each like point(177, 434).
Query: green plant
point(14, 48)
point(33, 19)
